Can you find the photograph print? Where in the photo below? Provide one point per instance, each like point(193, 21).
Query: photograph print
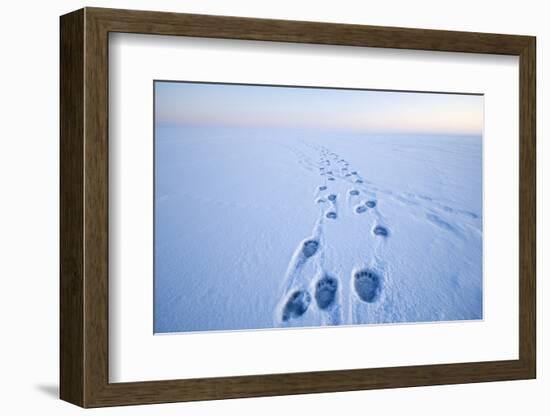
point(290, 206)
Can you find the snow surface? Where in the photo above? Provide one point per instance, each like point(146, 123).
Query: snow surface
point(247, 237)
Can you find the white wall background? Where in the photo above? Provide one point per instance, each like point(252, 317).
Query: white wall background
point(29, 206)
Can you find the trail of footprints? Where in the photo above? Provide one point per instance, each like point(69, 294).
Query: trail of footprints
point(366, 283)
point(326, 288)
point(324, 292)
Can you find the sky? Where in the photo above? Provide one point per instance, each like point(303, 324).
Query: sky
point(238, 105)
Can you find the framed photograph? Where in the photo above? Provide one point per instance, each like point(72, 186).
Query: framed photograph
point(255, 207)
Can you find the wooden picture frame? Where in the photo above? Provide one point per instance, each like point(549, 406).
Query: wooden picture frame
point(84, 207)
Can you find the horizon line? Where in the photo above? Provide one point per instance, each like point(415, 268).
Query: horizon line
point(165, 124)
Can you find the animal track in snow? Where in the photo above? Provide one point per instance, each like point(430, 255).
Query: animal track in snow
point(367, 284)
point(309, 248)
point(296, 304)
point(381, 231)
point(459, 211)
point(468, 213)
point(325, 291)
point(434, 219)
point(405, 200)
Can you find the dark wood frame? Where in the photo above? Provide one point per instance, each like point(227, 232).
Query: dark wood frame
point(84, 207)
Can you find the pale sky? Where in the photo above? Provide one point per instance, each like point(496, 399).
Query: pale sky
point(181, 103)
